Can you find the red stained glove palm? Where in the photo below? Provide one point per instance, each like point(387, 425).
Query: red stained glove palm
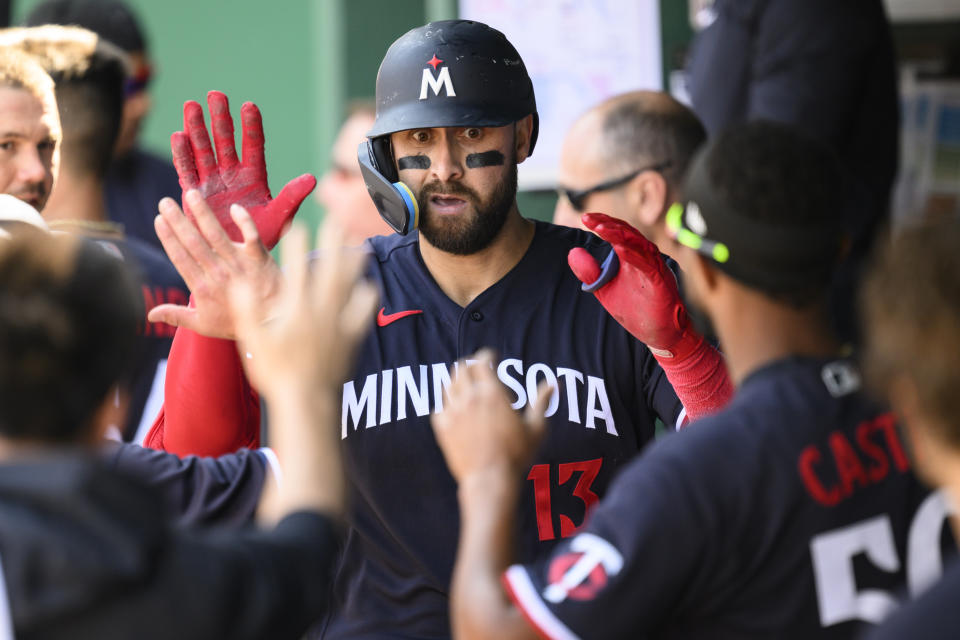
point(643, 296)
point(225, 179)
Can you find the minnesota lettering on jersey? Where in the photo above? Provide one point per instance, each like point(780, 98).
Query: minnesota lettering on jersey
point(418, 389)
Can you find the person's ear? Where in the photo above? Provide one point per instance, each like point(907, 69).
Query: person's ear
point(709, 276)
point(523, 129)
point(647, 195)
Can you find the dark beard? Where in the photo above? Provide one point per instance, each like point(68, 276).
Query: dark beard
point(469, 236)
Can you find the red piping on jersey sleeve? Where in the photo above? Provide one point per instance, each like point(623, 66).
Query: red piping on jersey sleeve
point(209, 407)
point(700, 380)
point(518, 603)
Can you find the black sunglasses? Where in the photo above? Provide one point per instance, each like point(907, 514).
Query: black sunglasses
point(577, 198)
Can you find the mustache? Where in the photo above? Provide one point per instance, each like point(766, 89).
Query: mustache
point(448, 188)
point(33, 191)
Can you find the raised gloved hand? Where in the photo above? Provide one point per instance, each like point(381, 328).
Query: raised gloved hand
point(225, 180)
point(643, 295)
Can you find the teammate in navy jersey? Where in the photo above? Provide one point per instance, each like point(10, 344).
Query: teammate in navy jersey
point(455, 115)
point(88, 76)
point(792, 513)
point(912, 341)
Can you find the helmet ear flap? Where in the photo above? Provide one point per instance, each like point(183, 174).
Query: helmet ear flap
point(381, 153)
point(394, 200)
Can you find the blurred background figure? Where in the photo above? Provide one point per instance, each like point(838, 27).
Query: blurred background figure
point(911, 309)
point(341, 190)
point(625, 157)
point(827, 68)
point(137, 179)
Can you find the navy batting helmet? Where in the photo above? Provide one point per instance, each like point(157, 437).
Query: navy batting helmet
point(453, 73)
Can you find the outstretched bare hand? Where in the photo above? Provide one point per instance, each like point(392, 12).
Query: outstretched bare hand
point(300, 350)
point(209, 261)
point(226, 180)
point(478, 430)
point(307, 337)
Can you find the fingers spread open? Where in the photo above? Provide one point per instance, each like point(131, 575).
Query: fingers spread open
point(188, 268)
point(211, 229)
point(293, 255)
point(252, 245)
point(222, 125)
point(534, 415)
point(247, 311)
point(358, 311)
point(188, 237)
point(183, 160)
point(252, 139)
point(459, 385)
point(200, 141)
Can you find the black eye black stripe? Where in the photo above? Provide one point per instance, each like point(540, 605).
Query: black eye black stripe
point(414, 162)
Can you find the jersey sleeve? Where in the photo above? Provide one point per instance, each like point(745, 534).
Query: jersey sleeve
point(209, 406)
point(643, 553)
point(659, 394)
point(253, 584)
point(198, 491)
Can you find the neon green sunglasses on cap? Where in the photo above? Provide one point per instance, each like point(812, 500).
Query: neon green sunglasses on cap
point(689, 238)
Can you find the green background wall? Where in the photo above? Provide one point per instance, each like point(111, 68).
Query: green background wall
point(301, 61)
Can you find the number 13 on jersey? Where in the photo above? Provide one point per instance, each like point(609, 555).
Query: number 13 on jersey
point(540, 476)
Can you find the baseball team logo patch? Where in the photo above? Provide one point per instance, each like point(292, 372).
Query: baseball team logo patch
point(436, 82)
point(584, 571)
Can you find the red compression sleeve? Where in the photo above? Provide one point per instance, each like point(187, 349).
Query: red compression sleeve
point(209, 407)
point(700, 380)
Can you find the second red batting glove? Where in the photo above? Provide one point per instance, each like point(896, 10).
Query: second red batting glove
point(643, 296)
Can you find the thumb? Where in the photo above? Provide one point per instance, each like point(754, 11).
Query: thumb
point(583, 265)
point(294, 193)
point(172, 314)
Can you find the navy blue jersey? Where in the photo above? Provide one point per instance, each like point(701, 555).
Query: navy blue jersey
point(160, 283)
point(197, 491)
point(134, 185)
point(933, 616)
point(791, 514)
point(400, 550)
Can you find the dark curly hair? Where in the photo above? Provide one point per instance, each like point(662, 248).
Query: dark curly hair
point(69, 313)
point(774, 174)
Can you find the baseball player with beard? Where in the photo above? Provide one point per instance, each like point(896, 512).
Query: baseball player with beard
point(456, 114)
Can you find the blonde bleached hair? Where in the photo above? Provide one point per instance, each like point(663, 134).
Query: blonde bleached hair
point(19, 70)
point(62, 51)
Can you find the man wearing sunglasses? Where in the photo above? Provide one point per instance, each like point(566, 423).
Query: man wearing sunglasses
point(624, 157)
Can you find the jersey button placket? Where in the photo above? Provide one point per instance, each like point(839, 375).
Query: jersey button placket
point(476, 316)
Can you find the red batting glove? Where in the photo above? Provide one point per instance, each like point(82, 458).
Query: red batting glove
point(226, 180)
point(643, 296)
point(644, 299)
